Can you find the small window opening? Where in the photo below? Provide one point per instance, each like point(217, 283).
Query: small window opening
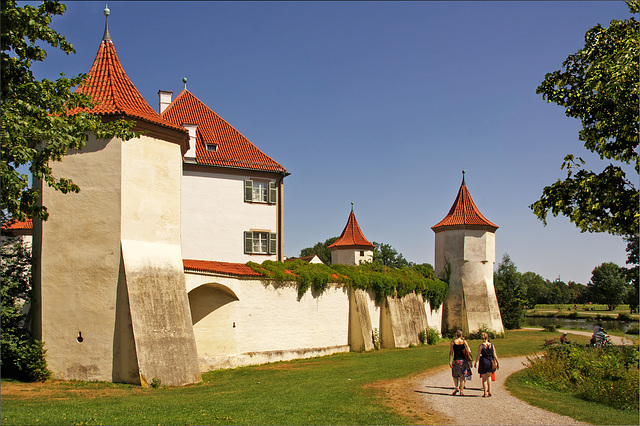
point(212, 147)
point(361, 252)
point(79, 338)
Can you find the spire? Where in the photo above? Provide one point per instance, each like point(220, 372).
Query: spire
point(106, 37)
point(352, 235)
point(464, 214)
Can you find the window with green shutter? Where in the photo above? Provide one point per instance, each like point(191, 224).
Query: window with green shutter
point(260, 192)
point(260, 242)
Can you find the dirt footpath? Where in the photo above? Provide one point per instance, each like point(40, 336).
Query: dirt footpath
point(427, 399)
point(472, 409)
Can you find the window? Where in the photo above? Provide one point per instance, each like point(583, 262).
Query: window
point(260, 192)
point(212, 147)
point(259, 242)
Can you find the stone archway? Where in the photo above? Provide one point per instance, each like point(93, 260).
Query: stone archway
point(213, 309)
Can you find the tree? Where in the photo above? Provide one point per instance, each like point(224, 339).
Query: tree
point(580, 292)
point(386, 255)
point(36, 128)
point(600, 86)
point(321, 250)
point(22, 356)
point(608, 285)
point(632, 273)
point(534, 288)
point(508, 284)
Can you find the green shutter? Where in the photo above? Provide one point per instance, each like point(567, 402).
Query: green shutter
point(248, 191)
point(273, 243)
point(248, 242)
point(273, 193)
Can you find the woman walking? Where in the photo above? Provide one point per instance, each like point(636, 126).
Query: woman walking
point(484, 362)
point(460, 367)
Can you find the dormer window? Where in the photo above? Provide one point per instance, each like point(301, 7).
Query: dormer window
point(212, 147)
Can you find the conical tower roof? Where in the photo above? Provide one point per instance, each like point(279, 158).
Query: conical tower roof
point(351, 236)
point(114, 94)
point(464, 214)
point(233, 149)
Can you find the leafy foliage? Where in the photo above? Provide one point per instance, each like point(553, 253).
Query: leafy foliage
point(608, 285)
point(605, 375)
point(509, 291)
point(35, 126)
point(22, 357)
point(384, 280)
point(386, 255)
point(600, 86)
point(321, 250)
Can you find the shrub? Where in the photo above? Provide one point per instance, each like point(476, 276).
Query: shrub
point(22, 358)
point(604, 375)
point(477, 334)
point(624, 317)
point(551, 328)
point(633, 330)
point(432, 336)
point(422, 336)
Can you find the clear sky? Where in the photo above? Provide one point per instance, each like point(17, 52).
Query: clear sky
point(382, 104)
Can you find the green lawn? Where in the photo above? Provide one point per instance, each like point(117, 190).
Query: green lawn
point(327, 390)
point(584, 311)
point(568, 405)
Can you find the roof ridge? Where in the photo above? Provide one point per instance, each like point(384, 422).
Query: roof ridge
point(233, 146)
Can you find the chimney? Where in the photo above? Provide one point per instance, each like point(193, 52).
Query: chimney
point(164, 97)
point(191, 153)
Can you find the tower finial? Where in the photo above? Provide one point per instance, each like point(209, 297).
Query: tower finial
point(463, 172)
point(352, 206)
point(184, 80)
point(106, 36)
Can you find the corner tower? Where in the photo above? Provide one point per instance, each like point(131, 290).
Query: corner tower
point(351, 248)
point(110, 298)
point(465, 251)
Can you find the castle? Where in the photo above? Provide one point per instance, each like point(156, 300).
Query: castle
point(143, 273)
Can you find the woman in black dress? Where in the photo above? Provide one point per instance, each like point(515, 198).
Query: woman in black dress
point(460, 367)
point(486, 354)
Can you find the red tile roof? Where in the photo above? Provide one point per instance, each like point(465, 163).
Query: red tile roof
point(14, 225)
point(219, 267)
point(234, 150)
point(464, 214)
point(113, 92)
point(351, 236)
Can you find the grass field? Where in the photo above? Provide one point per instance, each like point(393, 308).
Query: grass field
point(327, 390)
point(568, 405)
point(583, 311)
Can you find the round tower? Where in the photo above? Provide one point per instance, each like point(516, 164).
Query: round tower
point(465, 253)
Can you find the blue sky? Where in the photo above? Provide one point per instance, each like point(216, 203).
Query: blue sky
point(382, 104)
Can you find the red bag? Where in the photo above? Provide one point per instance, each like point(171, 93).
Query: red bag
point(493, 377)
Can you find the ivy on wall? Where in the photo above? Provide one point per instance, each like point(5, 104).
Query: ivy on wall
point(385, 281)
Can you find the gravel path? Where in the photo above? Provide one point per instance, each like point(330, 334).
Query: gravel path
point(500, 409)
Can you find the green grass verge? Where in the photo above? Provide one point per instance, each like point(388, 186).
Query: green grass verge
point(566, 404)
point(327, 390)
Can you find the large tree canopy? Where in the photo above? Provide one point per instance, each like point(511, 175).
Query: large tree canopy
point(35, 126)
point(599, 85)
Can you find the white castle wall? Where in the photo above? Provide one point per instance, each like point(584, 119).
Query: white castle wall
point(245, 321)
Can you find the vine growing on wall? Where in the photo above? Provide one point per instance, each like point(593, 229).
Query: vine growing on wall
point(385, 281)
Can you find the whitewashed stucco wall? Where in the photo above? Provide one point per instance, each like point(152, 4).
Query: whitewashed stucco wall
point(248, 321)
point(215, 215)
